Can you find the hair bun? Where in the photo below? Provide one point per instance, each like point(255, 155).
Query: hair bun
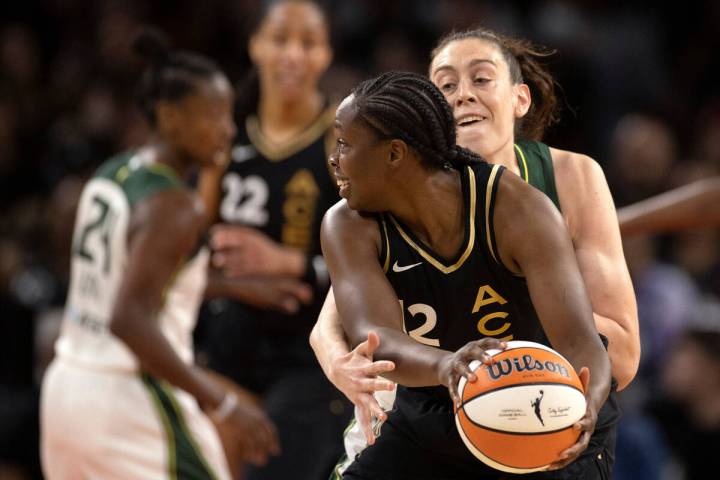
point(152, 45)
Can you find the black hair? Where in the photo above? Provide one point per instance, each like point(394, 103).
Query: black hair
point(524, 60)
point(409, 107)
point(249, 85)
point(170, 75)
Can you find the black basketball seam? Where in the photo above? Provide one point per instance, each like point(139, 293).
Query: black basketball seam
point(497, 389)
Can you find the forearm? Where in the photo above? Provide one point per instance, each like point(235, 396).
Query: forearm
point(692, 206)
point(416, 365)
point(327, 338)
point(623, 348)
point(158, 358)
point(592, 355)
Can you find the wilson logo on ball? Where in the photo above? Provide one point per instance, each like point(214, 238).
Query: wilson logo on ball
point(505, 367)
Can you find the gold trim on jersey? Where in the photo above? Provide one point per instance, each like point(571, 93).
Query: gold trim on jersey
point(278, 152)
point(524, 170)
point(488, 197)
point(471, 237)
point(386, 263)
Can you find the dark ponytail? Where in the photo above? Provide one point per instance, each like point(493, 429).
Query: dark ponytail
point(170, 75)
point(524, 60)
point(409, 107)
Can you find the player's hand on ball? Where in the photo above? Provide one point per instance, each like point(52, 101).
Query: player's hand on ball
point(586, 425)
point(456, 365)
point(356, 375)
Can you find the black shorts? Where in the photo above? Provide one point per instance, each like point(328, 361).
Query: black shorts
point(420, 441)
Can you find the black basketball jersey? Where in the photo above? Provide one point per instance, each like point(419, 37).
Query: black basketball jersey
point(283, 192)
point(447, 303)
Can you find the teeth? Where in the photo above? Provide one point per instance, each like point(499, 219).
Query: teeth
point(469, 119)
point(342, 183)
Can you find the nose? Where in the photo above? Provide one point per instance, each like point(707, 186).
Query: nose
point(294, 51)
point(464, 94)
point(332, 160)
point(229, 129)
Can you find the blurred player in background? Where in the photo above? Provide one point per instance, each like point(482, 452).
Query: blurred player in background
point(121, 398)
point(270, 199)
point(696, 205)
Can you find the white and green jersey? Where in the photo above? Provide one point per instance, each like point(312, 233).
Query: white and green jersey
point(99, 258)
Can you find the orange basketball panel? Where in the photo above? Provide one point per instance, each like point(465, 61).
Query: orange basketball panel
point(519, 366)
point(527, 451)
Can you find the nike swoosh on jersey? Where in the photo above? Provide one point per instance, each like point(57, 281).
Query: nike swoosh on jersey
point(397, 268)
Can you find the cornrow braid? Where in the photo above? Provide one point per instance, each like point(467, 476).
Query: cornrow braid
point(409, 107)
point(523, 59)
point(170, 75)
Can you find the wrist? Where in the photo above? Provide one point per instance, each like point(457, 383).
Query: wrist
point(226, 407)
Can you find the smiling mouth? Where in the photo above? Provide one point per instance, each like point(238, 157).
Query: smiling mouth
point(342, 183)
point(470, 120)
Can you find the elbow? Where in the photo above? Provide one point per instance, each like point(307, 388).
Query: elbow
point(314, 337)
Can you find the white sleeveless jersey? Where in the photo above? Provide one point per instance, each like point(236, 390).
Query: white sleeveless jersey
point(98, 265)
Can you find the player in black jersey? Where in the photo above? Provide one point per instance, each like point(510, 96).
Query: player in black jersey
point(270, 199)
point(460, 248)
point(503, 99)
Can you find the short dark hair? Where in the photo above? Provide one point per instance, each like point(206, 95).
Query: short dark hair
point(170, 75)
point(409, 106)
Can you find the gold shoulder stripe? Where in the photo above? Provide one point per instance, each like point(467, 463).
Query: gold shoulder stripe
point(164, 170)
point(386, 263)
point(278, 152)
point(471, 237)
point(524, 170)
point(488, 197)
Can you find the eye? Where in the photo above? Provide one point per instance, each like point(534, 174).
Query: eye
point(447, 86)
point(481, 80)
point(340, 144)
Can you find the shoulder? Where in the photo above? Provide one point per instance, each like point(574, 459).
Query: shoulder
point(340, 218)
point(516, 195)
point(175, 213)
point(573, 168)
point(344, 229)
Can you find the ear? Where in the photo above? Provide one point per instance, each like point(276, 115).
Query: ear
point(522, 99)
point(167, 117)
point(397, 152)
point(254, 47)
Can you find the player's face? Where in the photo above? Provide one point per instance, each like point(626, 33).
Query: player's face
point(291, 49)
point(475, 78)
point(359, 161)
point(204, 127)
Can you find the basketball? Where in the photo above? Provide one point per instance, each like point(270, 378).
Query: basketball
point(518, 416)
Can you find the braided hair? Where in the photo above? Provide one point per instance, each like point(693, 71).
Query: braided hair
point(170, 75)
point(524, 62)
point(409, 106)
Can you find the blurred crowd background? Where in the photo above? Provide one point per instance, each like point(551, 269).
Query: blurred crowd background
point(640, 94)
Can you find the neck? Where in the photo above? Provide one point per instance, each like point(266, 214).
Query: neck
point(281, 121)
point(431, 205)
point(505, 156)
point(159, 151)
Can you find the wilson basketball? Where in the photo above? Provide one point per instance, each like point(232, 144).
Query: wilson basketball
point(518, 416)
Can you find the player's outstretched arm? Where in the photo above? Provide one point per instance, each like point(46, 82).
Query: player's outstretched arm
point(695, 205)
point(556, 288)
